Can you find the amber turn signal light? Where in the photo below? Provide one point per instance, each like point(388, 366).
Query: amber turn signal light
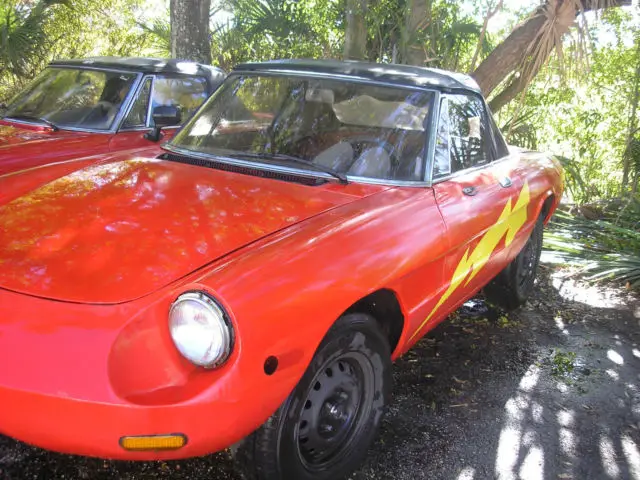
point(153, 442)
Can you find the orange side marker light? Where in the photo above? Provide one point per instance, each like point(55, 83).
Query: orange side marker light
point(140, 443)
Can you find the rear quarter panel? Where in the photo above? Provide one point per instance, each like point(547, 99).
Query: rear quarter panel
point(545, 178)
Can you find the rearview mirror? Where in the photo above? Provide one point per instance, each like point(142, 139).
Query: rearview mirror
point(163, 116)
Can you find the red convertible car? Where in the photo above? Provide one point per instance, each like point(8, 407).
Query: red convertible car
point(251, 285)
point(97, 105)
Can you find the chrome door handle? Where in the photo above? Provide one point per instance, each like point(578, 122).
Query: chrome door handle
point(505, 182)
point(470, 191)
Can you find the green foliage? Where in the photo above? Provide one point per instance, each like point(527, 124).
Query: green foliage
point(584, 114)
point(562, 363)
point(266, 29)
point(159, 32)
point(603, 239)
point(574, 183)
point(34, 33)
point(23, 33)
point(519, 130)
point(448, 35)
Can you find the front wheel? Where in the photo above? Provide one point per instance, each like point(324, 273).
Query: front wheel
point(324, 428)
point(513, 285)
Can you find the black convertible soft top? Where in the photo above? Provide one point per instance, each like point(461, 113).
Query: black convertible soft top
point(147, 65)
point(383, 72)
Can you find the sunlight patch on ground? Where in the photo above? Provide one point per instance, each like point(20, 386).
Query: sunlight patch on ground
point(512, 438)
point(615, 357)
point(567, 442)
point(560, 324)
point(613, 374)
point(533, 465)
point(467, 473)
point(567, 439)
point(530, 379)
point(536, 412)
point(632, 455)
point(592, 295)
point(608, 457)
point(565, 418)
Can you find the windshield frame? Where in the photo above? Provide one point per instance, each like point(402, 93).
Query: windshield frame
point(429, 132)
point(119, 118)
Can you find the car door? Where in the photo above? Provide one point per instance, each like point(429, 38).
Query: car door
point(479, 193)
point(185, 92)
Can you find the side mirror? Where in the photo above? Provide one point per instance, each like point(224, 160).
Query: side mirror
point(163, 116)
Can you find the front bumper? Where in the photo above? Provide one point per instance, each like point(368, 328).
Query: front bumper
point(77, 378)
point(94, 429)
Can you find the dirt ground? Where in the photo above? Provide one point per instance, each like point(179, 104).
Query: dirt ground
point(551, 391)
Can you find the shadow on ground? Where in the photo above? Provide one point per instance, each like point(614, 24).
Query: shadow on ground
point(551, 391)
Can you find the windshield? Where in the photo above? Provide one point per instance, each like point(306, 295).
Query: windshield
point(356, 129)
point(76, 98)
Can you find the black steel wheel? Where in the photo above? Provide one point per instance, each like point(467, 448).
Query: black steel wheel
point(512, 286)
point(323, 430)
point(330, 420)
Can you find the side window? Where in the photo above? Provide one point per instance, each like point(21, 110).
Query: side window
point(462, 136)
point(442, 160)
point(137, 116)
point(186, 93)
point(502, 150)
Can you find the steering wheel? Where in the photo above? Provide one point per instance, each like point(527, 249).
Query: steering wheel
point(305, 145)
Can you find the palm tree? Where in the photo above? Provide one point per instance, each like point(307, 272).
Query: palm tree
point(22, 33)
point(519, 58)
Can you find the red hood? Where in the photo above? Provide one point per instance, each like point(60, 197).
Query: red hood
point(114, 232)
point(23, 147)
point(11, 135)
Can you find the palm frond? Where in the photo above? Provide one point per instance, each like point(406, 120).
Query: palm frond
point(160, 32)
point(603, 249)
point(520, 130)
point(22, 33)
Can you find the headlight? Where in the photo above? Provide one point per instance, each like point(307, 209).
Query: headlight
point(200, 330)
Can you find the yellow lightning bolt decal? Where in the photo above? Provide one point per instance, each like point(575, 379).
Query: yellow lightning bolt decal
point(510, 222)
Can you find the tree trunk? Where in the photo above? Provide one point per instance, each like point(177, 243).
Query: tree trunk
point(633, 119)
point(417, 18)
point(514, 54)
point(190, 30)
point(355, 38)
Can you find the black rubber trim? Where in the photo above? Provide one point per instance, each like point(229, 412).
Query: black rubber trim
point(255, 172)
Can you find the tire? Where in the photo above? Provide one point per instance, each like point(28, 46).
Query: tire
point(512, 287)
point(324, 428)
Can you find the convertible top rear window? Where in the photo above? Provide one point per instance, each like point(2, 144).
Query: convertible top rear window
point(355, 129)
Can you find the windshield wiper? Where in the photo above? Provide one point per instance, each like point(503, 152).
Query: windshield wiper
point(282, 156)
point(33, 118)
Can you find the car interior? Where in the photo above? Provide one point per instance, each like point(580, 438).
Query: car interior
point(379, 134)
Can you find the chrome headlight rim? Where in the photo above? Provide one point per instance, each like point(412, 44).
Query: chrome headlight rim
point(207, 301)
